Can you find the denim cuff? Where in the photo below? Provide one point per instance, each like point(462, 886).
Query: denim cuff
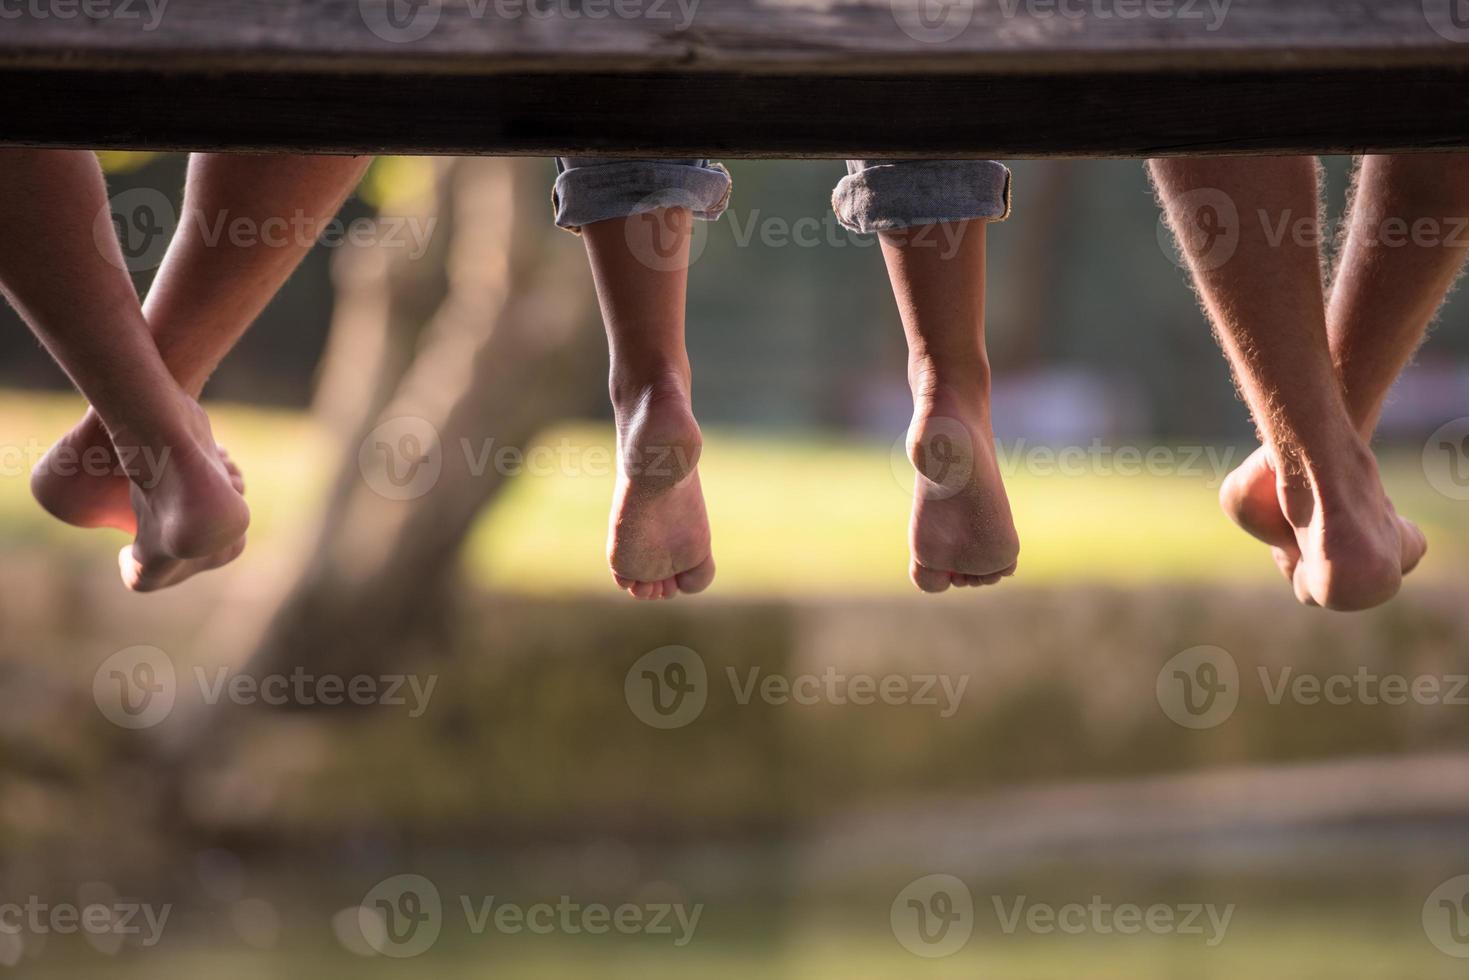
point(597, 189)
point(886, 195)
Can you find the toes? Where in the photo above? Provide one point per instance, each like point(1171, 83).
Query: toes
point(669, 587)
point(144, 575)
point(1414, 544)
point(226, 556)
point(696, 579)
point(130, 569)
point(1302, 586)
point(932, 580)
point(927, 579)
point(237, 478)
point(644, 590)
point(1286, 562)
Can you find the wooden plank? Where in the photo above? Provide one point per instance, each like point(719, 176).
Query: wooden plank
point(788, 36)
point(835, 78)
point(1127, 115)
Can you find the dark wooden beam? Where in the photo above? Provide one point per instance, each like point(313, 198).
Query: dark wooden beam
point(1006, 78)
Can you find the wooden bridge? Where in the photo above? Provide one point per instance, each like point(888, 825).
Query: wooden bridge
point(788, 78)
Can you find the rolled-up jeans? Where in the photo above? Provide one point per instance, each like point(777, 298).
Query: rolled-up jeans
point(876, 195)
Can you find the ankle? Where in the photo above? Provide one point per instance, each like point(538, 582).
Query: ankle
point(173, 432)
point(948, 385)
point(630, 389)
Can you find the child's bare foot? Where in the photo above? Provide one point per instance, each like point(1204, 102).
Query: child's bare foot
point(190, 515)
point(1257, 500)
point(962, 533)
point(1350, 549)
point(81, 482)
point(658, 534)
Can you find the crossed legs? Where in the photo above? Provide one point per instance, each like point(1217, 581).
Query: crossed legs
point(1390, 281)
point(1314, 375)
point(70, 286)
point(207, 293)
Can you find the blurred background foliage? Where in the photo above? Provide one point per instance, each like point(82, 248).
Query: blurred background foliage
point(1058, 778)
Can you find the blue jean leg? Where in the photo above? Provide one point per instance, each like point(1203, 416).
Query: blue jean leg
point(592, 189)
point(886, 195)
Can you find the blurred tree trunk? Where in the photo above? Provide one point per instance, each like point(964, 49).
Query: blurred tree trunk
point(1026, 309)
point(483, 341)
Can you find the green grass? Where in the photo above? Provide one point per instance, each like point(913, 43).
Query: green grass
point(796, 514)
point(1294, 947)
point(789, 514)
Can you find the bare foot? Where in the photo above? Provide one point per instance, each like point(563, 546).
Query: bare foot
point(1250, 499)
point(962, 533)
point(1351, 548)
point(80, 481)
point(658, 534)
point(1356, 546)
point(190, 515)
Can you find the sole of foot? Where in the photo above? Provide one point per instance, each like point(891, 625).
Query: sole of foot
point(658, 542)
point(962, 533)
point(190, 518)
point(80, 481)
point(1344, 547)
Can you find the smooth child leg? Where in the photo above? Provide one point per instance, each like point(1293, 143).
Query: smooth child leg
point(961, 531)
point(210, 288)
point(62, 269)
point(658, 535)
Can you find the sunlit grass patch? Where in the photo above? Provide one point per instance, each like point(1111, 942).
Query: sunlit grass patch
point(794, 513)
